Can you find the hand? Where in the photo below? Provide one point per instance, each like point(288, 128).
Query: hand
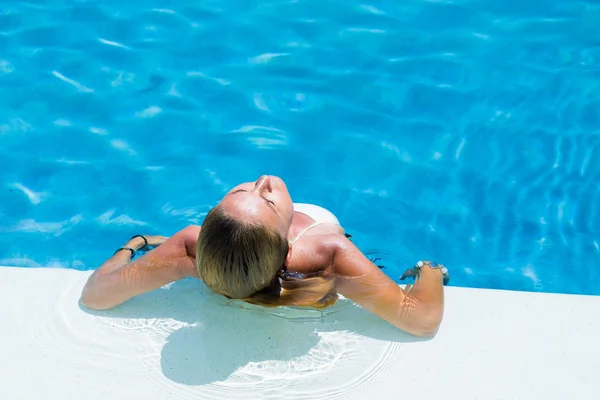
point(431, 264)
point(409, 273)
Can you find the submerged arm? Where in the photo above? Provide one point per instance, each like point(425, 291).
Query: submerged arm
point(120, 279)
point(418, 312)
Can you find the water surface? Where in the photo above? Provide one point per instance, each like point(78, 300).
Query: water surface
point(465, 131)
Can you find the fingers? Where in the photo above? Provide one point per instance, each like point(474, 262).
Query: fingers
point(409, 273)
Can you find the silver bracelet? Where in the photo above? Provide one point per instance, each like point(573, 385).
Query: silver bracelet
point(433, 265)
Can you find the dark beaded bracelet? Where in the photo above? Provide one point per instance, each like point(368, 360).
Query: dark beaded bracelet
point(141, 236)
point(126, 248)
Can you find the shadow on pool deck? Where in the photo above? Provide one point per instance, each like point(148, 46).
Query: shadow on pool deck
point(221, 336)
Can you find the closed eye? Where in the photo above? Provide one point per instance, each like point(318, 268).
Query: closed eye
point(243, 190)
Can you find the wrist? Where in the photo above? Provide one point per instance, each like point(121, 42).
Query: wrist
point(135, 243)
point(430, 265)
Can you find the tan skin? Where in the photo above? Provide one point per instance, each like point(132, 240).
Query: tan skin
point(322, 248)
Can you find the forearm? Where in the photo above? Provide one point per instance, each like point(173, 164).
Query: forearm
point(120, 279)
point(111, 289)
point(101, 291)
point(119, 259)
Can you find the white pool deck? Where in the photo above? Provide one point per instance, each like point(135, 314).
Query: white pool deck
point(182, 342)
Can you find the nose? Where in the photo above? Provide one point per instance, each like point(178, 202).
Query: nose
point(264, 184)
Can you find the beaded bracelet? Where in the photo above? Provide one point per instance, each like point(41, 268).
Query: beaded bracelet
point(145, 241)
point(433, 265)
point(126, 248)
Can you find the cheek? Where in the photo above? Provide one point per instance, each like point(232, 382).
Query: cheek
point(290, 207)
point(286, 206)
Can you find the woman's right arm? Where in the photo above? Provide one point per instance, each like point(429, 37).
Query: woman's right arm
point(418, 312)
point(119, 279)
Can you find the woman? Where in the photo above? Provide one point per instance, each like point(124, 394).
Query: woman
point(258, 246)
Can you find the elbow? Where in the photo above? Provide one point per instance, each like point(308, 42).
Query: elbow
point(93, 306)
point(427, 325)
point(92, 300)
point(425, 332)
point(89, 302)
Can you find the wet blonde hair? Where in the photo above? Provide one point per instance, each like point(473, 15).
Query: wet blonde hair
point(247, 261)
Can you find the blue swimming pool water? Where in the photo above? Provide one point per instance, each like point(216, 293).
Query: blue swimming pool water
point(465, 131)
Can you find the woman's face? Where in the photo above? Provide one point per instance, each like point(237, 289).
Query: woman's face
point(266, 200)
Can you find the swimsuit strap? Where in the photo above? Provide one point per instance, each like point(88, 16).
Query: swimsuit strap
point(304, 231)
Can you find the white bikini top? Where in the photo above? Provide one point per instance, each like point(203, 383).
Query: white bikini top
point(319, 214)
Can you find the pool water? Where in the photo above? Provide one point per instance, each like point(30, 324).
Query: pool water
point(466, 132)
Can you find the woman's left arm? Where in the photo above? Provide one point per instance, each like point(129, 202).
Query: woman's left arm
point(119, 279)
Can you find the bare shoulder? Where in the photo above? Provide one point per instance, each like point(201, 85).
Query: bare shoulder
point(352, 268)
point(190, 231)
point(315, 253)
point(185, 242)
point(189, 237)
point(337, 256)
